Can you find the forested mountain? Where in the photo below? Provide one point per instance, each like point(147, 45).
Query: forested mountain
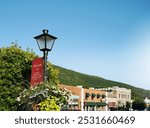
point(70, 77)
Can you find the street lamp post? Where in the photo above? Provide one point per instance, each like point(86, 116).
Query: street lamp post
point(45, 43)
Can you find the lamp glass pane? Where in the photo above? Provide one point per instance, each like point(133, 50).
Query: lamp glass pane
point(50, 42)
point(41, 42)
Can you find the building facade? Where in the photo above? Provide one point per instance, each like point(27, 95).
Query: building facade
point(118, 97)
point(90, 99)
point(86, 99)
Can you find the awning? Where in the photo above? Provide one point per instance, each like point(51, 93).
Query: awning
point(95, 104)
point(87, 94)
point(93, 94)
point(74, 97)
point(98, 95)
point(89, 104)
point(103, 95)
point(101, 104)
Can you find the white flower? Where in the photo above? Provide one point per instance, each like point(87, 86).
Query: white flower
point(18, 98)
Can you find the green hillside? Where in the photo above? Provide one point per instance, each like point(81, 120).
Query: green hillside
point(70, 77)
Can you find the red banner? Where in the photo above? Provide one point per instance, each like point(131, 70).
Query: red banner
point(37, 72)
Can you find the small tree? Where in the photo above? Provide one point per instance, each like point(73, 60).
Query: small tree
point(128, 105)
point(138, 104)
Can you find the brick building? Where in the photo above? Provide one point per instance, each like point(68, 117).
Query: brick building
point(86, 99)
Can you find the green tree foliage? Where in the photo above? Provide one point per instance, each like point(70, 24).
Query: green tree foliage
point(138, 104)
point(128, 105)
point(15, 74)
point(15, 65)
point(7, 97)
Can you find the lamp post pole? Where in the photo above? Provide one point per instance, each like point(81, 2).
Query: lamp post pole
point(45, 54)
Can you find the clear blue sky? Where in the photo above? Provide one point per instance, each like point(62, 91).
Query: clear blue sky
point(106, 38)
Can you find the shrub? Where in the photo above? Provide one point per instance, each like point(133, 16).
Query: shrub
point(49, 104)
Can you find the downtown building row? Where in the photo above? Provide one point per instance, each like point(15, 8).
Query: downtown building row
point(91, 99)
